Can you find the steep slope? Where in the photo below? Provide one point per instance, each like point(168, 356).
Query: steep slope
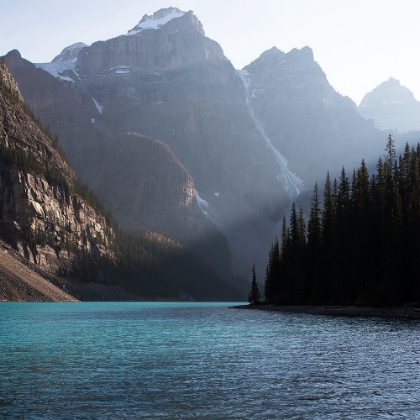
point(392, 107)
point(306, 120)
point(41, 215)
point(104, 159)
point(58, 225)
point(18, 282)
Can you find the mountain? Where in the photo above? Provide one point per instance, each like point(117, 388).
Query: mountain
point(243, 143)
point(314, 127)
point(42, 215)
point(392, 107)
point(62, 230)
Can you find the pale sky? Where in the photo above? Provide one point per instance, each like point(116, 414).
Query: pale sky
point(358, 43)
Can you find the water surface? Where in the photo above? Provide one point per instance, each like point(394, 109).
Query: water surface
point(203, 361)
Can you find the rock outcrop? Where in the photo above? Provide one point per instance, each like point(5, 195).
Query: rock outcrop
point(40, 214)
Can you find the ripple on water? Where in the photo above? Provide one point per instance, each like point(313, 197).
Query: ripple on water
point(153, 360)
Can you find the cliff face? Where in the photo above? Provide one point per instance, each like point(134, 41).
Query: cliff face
point(40, 215)
point(175, 45)
point(113, 157)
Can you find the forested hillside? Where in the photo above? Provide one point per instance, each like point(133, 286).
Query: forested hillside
point(361, 242)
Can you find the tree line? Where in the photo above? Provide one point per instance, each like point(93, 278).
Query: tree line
point(360, 243)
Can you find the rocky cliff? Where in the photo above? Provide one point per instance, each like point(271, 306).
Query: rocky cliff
point(40, 213)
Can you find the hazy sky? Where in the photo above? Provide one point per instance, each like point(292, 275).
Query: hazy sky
point(358, 43)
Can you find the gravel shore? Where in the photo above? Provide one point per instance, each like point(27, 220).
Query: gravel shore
point(21, 281)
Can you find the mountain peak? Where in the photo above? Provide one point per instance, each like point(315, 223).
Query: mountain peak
point(392, 81)
point(392, 106)
point(389, 92)
point(69, 53)
point(157, 20)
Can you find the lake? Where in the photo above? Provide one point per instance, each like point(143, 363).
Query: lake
point(203, 361)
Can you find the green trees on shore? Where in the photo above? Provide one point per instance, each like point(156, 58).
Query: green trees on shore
point(361, 246)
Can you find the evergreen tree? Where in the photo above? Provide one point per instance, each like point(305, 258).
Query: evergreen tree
point(254, 297)
point(363, 246)
point(313, 245)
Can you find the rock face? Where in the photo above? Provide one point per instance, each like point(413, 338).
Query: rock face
point(69, 54)
point(137, 177)
point(392, 107)
point(35, 203)
point(312, 125)
point(244, 143)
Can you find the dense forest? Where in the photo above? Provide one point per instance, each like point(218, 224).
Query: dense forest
point(360, 243)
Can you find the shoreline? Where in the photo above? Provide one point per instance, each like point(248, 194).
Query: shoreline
point(401, 312)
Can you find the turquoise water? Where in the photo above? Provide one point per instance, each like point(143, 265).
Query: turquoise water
point(202, 361)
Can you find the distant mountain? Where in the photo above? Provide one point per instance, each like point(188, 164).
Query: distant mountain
point(243, 143)
point(314, 127)
point(392, 107)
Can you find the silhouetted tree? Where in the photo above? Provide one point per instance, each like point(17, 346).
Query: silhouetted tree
point(254, 297)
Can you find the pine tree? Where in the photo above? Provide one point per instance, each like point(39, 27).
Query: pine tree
point(391, 153)
point(314, 245)
point(254, 297)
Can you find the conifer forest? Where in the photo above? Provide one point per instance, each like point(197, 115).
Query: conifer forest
point(360, 243)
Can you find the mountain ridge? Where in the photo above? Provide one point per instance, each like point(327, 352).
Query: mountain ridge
point(241, 137)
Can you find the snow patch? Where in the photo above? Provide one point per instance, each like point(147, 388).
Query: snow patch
point(203, 204)
point(99, 107)
point(65, 78)
point(290, 181)
point(92, 120)
point(58, 68)
point(159, 18)
point(216, 194)
point(76, 74)
point(121, 69)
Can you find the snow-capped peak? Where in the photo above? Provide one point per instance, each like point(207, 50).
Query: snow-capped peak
point(69, 53)
point(157, 20)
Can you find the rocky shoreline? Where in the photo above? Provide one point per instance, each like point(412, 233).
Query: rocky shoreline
point(403, 312)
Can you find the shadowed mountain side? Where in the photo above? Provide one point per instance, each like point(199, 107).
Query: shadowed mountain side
point(204, 120)
point(158, 193)
point(64, 110)
point(312, 125)
point(61, 228)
